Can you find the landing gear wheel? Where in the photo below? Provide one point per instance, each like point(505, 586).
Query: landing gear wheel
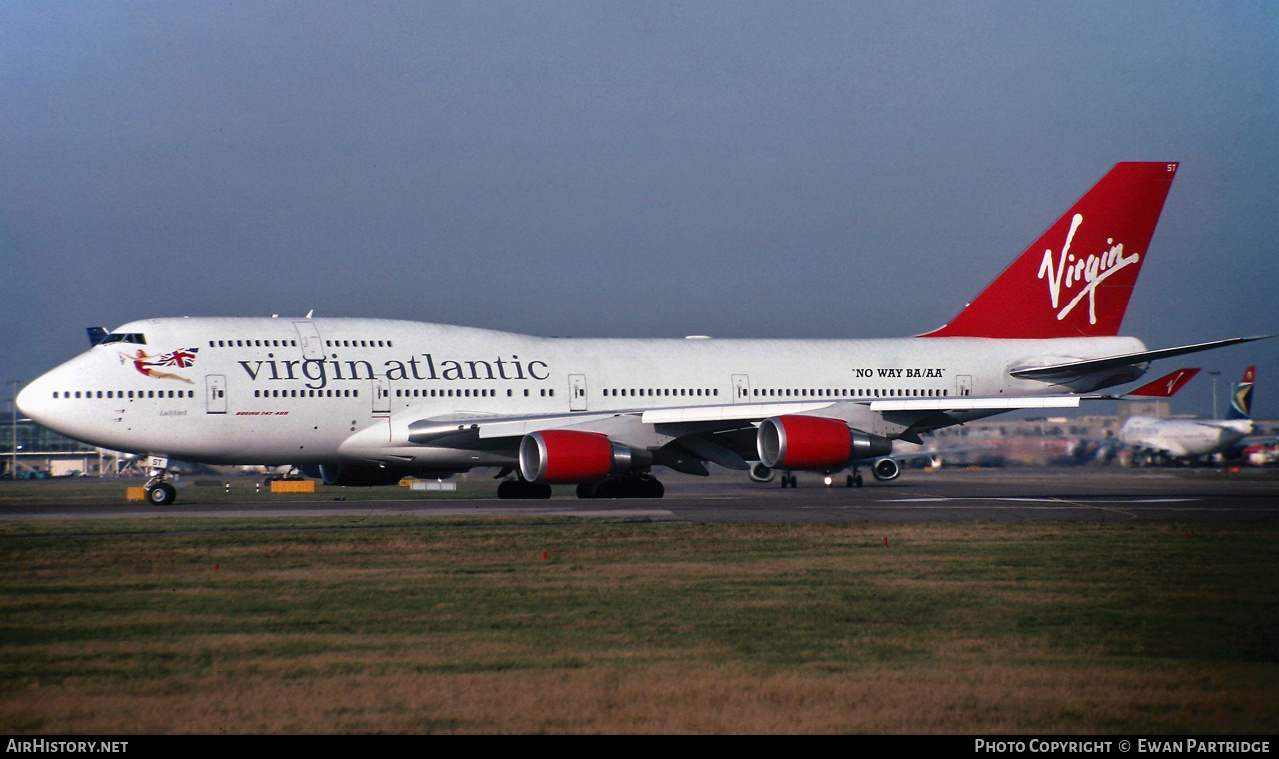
point(521, 490)
point(652, 488)
point(626, 486)
point(161, 494)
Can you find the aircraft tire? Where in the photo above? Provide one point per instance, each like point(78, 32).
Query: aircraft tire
point(586, 490)
point(520, 490)
point(161, 494)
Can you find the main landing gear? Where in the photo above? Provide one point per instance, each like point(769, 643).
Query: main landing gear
point(626, 486)
point(523, 489)
point(853, 480)
point(159, 492)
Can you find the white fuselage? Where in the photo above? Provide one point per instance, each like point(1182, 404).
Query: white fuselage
point(1183, 438)
point(277, 391)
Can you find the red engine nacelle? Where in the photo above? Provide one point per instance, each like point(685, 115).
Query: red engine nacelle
point(571, 456)
point(814, 442)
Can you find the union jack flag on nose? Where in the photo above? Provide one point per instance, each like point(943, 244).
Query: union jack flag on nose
point(180, 358)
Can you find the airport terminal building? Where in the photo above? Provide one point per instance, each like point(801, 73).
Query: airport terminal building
point(32, 451)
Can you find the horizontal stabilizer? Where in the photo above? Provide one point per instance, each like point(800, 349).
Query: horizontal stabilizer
point(1080, 368)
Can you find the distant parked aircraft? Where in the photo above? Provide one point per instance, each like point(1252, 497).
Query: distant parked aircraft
point(1160, 440)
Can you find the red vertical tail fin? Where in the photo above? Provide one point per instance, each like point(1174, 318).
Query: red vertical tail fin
point(1076, 279)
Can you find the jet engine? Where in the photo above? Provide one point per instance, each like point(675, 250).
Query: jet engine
point(761, 473)
point(814, 442)
point(886, 469)
point(573, 456)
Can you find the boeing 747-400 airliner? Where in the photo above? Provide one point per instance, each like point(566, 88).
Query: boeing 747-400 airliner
point(368, 401)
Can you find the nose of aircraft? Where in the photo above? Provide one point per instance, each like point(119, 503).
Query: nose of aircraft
point(34, 399)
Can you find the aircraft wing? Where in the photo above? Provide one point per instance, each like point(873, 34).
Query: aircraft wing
point(685, 437)
point(680, 422)
point(1076, 368)
point(709, 418)
point(977, 403)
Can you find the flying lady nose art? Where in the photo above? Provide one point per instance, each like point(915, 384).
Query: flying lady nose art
point(146, 364)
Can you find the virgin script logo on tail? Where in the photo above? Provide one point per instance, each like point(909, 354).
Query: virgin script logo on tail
point(1091, 271)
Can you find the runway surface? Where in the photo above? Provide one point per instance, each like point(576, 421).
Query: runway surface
point(1078, 494)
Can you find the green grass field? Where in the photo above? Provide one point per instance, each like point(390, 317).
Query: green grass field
point(330, 625)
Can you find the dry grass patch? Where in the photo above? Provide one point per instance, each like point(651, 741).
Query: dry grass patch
point(658, 699)
point(460, 626)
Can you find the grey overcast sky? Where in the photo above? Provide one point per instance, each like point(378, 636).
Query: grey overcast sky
point(788, 169)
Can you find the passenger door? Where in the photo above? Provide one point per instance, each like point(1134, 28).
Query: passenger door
point(577, 392)
point(215, 393)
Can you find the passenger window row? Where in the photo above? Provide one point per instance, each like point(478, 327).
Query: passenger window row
point(253, 343)
point(306, 392)
point(781, 392)
point(294, 343)
point(465, 393)
point(914, 392)
point(659, 392)
point(358, 344)
point(66, 394)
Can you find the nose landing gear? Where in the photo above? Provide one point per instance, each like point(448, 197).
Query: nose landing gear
point(159, 492)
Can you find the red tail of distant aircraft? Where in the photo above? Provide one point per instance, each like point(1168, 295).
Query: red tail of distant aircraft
point(1166, 386)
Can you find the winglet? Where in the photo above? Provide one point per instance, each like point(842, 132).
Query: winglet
point(1075, 281)
point(1166, 386)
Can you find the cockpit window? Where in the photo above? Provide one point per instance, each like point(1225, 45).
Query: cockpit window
point(125, 337)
